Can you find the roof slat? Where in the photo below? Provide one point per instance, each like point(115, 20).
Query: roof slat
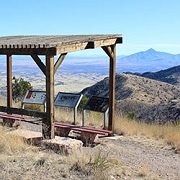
point(62, 43)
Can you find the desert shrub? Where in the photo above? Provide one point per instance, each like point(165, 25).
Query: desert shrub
point(97, 165)
point(131, 115)
point(19, 88)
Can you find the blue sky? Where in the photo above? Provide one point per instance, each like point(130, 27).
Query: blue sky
point(144, 24)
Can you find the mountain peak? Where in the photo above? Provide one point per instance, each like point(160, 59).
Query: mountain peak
point(151, 50)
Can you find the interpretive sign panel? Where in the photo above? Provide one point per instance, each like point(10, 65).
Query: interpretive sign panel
point(67, 99)
point(99, 104)
point(35, 97)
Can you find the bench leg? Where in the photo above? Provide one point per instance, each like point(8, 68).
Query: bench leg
point(63, 132)
point(87, 138)
point(8, 122)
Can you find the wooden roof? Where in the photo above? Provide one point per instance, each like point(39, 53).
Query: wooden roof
point(53, 45)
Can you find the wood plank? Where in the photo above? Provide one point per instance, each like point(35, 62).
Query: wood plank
point(112, 86)
point(106, 42)
point(28, 51)
point(53, 45)
point(59, 61)
point(39, 63)
point(9, 116)
point(108, 51)
point(65, 48)
point(31, 113)
point(48, 130)
point(9, 80)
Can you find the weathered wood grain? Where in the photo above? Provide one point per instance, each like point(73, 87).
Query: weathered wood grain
point(12, 110)
point(61, 43)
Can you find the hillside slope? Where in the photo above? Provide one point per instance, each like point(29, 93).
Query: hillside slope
point(171, 75)
point(149, 99)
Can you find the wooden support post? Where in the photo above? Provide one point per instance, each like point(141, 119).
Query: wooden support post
point(111, 52)
point(9, 80)
point(48, 130)
point(112, 86)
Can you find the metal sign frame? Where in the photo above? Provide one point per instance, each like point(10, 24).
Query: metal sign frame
point(39, 97)
point(97, 104)
point(70, 100)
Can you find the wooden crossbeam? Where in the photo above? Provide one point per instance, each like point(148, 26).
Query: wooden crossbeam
point(29, 51)
point(59, 61)
point(71, 47)
point(39, 63)
point(11, 110)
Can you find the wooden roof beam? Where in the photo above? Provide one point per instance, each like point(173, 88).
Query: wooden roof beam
point(100, 43)
point(86, 45)
point(71, 47)
point(29, 51)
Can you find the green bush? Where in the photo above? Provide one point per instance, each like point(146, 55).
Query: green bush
point(19, 88)
point(131, 115)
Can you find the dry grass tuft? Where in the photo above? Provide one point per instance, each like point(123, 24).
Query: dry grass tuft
point(35, 107)
point(10, 144)
point(144, 171)
point(93, 119)
point(97, 165)
point(169, 133)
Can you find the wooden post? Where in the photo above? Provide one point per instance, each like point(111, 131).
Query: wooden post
point(9, 80)
point(112, 86)
point(48, 130)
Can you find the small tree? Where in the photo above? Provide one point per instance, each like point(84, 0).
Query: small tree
point(19, 88)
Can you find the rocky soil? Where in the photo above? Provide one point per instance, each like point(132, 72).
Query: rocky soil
point(120, 157)
point(156, 158)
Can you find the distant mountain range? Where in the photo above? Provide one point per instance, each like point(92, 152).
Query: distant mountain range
point(149, 60)
point(140, 62)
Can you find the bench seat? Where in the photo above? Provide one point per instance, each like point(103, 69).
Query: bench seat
point(87, 134)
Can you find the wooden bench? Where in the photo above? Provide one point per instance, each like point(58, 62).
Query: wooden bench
point(87, 134)
point(9, 119)
point(63, 129)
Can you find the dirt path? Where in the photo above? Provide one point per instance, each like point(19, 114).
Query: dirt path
point(154, 158)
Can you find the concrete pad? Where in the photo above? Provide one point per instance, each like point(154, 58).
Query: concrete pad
point(114, 137)
point(26, 133)
point(31, 136)
point(63, 145)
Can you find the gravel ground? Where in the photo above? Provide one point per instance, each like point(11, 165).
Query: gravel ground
point(157, 158)
point(140, 158)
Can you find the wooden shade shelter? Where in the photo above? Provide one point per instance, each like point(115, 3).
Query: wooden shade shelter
point(50, 46)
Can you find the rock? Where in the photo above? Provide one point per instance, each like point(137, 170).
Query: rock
point(63, 145)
